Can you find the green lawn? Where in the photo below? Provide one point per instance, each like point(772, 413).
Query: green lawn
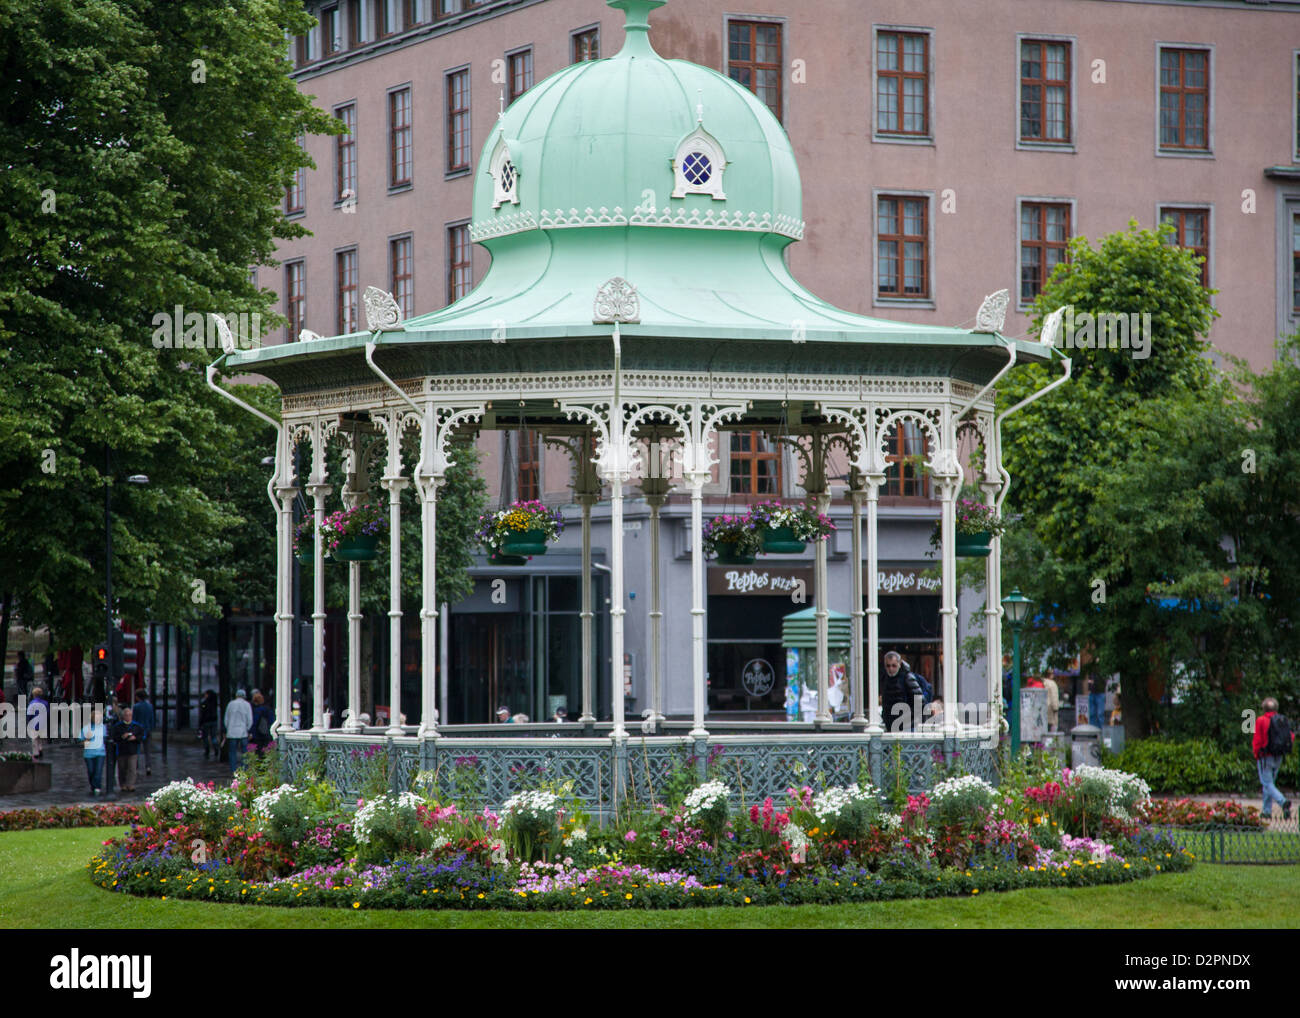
point(43, 884)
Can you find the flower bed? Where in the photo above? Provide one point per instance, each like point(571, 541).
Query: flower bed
point(293, 845)
point(68, 816)
point(1191, 813)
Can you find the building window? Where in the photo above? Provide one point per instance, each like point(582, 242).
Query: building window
point(902, 247)
point(399, 138)
point(294, 298)
point(331, 27)
point(1044, 91)
point(345, 153)
point(295, 195)
point(415, 12)
point(448, 7)
point(1297, 107)
point(586, 45)
point(460, 262)
point(904, 456)
point(754, 60)
point(390, 17)
point(1044, 244)
point(1185, 99)
point(401, 259)
point(903, 83)
point(1295, 265)
point(755, 464)
point(1192, 231)
point(354, 23)
point(529, 476)
point(519, 74)
point(458, 121)
point(346, 277)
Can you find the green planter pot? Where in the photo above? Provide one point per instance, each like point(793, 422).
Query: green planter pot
point(974, 545)
point(304, 557)
point(730, 558)
point(529, 542)
point(781, 541)
point(362, 548)
point(495, 558)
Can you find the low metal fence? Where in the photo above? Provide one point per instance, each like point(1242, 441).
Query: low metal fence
point(1278, 842)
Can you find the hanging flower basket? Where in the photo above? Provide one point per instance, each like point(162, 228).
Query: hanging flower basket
point(352, 535)
point(977, 525)
point(304, 541)
point(786, 530)
point(733, 539)
point(974, 545)
point(522, 528)
point(496, 558)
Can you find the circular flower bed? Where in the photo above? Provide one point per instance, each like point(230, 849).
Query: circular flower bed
point(295, 845)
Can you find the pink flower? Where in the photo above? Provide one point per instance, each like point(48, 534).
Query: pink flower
point(630, 836)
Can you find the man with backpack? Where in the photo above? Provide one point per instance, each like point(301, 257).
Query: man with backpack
point(1273, 739)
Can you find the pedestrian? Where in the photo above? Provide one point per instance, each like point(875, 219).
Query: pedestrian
point(144, 716)
point(50, 674)
point(1273, 741)
point(263, 718)
point(1096, 700)
point(503, 715)
point(92, 749)
point(24, 673)
point(127, 735)
point(209, 711)
point(38, 720)
point(901, 695)
point(239, 722)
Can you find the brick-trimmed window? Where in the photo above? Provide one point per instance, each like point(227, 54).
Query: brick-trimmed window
point(345, 275)
point(354, 23)
point(1044, 244)
point(401, 261)
point(902, 246)
point(458, 121)
point(586, 45)
point(1192, 231)
point(528, 479)
point(390, 17)
point(519, 74)
point(903, 83)
point(755, 464)
point(1044, 90)
point(345, 154)
point(413, 16)
point(460, 262)
point(294, 297)
point(1185, 99)
point(905, 451)
point(754, 60)
point(399, 137)
point(331, 29)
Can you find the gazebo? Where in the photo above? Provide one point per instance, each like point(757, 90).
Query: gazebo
point(637, 211)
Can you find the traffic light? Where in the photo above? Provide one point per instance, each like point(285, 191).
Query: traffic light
point(116, 664)
point(131, 655)
point(99, 661)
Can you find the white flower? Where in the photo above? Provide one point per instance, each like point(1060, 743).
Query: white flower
point(829, 804)
point(705, 798)
point(263, 803)
point(1121, 787)
point(952, 787)
point(366, 815)
point(531, 805)
point(890, 821)
point(578, 834)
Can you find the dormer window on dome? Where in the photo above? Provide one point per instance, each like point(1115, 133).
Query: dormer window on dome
point(505, 175)
point(698, 166)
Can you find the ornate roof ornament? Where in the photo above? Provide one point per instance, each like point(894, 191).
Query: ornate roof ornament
point(223, 331)
point(992, 314)
point(504, 174)
point(382, 312)
point(698, 164)
point(306, 336)
point(1051, 330)
point(616, 301)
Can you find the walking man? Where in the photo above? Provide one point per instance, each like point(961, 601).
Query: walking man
point(901, 695)
point(1273, 740)
point(144, 717)
point(239, 722)
point(127, 735)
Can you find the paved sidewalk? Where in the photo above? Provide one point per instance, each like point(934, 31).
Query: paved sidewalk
point(70, 787)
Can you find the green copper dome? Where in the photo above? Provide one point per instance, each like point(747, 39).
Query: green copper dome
point(596, 144)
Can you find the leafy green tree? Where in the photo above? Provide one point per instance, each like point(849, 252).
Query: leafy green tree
point(155, 142)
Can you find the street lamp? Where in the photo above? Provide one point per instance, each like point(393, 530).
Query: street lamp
point(1016, 608)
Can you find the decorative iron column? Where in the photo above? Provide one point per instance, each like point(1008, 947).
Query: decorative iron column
point(948, 475)
point(656, 494)
point(319, 491)
point(586, 494)
point(859, 720)
point(285, 492)
point(874, 483)
point(352, 493)
point(393, 482)
point(428, 479)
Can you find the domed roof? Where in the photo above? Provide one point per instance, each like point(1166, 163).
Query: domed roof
point(635, 139)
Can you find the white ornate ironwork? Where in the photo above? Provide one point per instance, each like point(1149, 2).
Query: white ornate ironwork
point(616, 301)
point(306, 336)
point(992, 314)
point(681, 218)
point(223, 331)
point(1051, 331)
point(382, 312)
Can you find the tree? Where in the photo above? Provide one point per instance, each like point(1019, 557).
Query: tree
point(155, 141)
point(1071, 451)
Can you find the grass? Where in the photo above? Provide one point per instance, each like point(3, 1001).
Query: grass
point(44, 885)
